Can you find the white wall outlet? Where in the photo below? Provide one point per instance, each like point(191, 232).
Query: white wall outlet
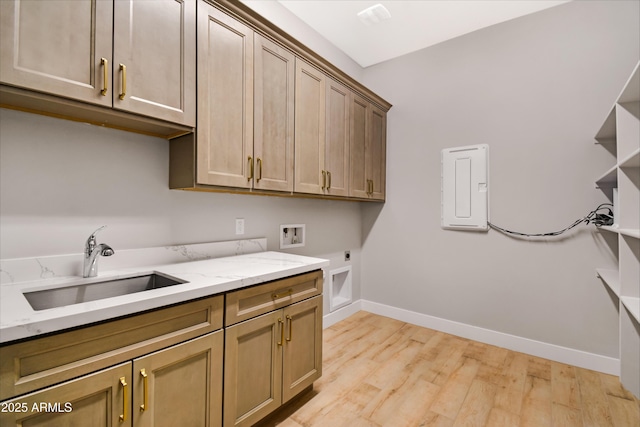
point(239, 225)
point(292, 236)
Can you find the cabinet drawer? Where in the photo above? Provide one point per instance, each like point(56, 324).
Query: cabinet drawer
point(250, 302)
point(41, 362)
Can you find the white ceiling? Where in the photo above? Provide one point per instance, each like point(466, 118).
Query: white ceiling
point(414, 25)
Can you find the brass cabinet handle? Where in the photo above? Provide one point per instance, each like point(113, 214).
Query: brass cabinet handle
point(328, 180)
point(281, 325)
point(125, 399)
point(250, 160)
point(287, 292)
point(290, 328)
point(259, 169)
point(145, 390)
point(105, 76)
point(123, 69)
point(324, 179)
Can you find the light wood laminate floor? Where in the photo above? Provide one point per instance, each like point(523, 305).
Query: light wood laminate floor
point(379, 371)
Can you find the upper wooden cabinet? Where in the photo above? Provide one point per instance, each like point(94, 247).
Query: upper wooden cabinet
point(336, 163)
point(376, 154)
point(57, 47)
point(273, 116)
point(134, 56)
point(310, 98)
point(225, 100)
point(245, 106)
point(340, 140)
point(367, 150)
point(154, 58)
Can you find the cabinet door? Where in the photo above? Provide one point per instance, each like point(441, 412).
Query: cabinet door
point(181, 385)
point(57, 47)
point(253, 369)
point(337, 139)
point(225, 100)
point(375, 153)
point(273, 116)
point(309, 129)
point(99, 399)
point(302, 361)
point(359, 134)
point(368, 142)
point(156, 42)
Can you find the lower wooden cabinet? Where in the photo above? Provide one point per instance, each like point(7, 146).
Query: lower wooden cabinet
point(165, 368)
point(181, 385)
point(253, 368)
point(271, 358)
point(97, 400)
point(302, 347)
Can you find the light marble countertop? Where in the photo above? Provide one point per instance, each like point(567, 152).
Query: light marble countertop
point(19, 320)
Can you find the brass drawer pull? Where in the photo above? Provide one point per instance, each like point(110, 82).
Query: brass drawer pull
point(125, 399)
point(250, 160)
point(145, 392)
point(123, 68)
point(290, 327)
point(278, 296)
point(105, 76)
point(259, 169)
point(281, 325)
point(324, 179)
point(328, 180)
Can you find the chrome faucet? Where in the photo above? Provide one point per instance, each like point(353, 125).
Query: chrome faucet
point(91, 253)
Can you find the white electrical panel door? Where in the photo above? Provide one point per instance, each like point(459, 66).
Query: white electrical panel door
point(464, 187)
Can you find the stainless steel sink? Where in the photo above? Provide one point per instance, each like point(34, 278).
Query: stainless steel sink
point(63, 296)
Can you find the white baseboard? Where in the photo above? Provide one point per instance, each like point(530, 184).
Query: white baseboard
point(582, 359)
point(341, 314)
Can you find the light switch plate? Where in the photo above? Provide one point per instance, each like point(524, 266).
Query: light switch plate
point(239, 225)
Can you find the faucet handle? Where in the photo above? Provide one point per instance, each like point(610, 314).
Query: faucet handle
point(96, 232)
point(91, 241)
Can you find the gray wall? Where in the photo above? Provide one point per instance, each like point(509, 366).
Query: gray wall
point(536, 89)
point(60, 180)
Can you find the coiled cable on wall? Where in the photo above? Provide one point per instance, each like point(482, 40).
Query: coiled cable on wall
point(594, 217)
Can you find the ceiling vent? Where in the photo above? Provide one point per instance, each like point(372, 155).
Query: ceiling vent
point(374, 14)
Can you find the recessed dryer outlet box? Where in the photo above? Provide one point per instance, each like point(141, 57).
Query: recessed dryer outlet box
point(340, 288)
point(292, 236)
